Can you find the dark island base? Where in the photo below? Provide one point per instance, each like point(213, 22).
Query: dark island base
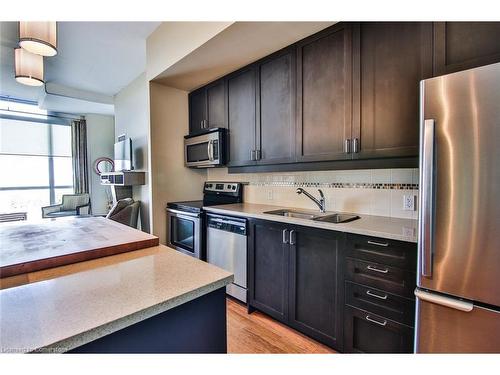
point(198, 326)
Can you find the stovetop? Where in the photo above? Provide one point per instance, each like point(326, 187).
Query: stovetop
point(214, 193)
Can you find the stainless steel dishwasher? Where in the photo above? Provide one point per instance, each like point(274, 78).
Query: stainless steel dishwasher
point(227, 249)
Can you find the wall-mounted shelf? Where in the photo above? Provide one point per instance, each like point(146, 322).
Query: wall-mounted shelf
point(123, 178)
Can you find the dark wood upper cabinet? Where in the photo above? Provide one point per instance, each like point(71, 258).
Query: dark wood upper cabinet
point(316, 285)
point(348, 92)
point(207, 108)
point(197, 111)
point(276, 108)
point(389, 60)
point(241, 117)
point(268, 258)
point(465, 45)
point(216, 105)
point(324, 94)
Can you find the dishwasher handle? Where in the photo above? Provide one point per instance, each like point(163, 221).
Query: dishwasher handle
point(227, 224)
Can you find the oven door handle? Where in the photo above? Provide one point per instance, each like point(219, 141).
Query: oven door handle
point(182, 213)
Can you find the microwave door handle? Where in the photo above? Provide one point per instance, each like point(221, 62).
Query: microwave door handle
point(210, 150)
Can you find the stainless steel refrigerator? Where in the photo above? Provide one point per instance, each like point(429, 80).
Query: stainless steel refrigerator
point(458, 282)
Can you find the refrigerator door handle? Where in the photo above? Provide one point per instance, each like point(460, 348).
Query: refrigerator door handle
point(439, 299)
point(426, 230)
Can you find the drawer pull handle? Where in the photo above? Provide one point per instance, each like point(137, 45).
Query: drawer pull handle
point(376, 321)
point(384, 244)
point(370, 293)
point(371, 268)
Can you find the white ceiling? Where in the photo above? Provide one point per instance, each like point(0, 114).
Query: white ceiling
point(98, 57)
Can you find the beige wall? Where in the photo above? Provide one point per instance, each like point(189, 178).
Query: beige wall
point(100, 139)
point(172, 41)
point(171, 181)
point(132, 119)
point(371, 192)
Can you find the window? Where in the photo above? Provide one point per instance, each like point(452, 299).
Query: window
point(35, 161)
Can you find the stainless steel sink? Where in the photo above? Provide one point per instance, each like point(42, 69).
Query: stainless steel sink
point(335, 218)
point(293, 213)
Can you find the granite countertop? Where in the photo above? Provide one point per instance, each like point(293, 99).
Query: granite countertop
point(377, 226)
point(76, 304)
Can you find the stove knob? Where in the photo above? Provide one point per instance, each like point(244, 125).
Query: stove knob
point(229, 186)
point(234, 187)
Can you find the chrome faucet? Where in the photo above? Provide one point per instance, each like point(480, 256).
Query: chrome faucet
point(320, 202)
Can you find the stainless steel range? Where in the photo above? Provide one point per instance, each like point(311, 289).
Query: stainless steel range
point(186, 220)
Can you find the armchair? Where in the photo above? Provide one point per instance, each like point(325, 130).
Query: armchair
point(125, 211)
point(72, 205)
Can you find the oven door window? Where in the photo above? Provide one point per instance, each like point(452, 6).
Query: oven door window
point(197, 152)
point(182, 233)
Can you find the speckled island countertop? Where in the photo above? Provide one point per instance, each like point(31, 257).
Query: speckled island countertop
point(76, 304)
point(377, 226)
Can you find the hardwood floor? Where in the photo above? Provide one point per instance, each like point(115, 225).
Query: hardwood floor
point(258, 333)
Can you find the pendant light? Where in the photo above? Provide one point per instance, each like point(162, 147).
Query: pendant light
point(38, 37)
point(29, 67)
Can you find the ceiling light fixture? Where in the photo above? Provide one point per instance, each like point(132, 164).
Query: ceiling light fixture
point(38, 37)
point(29, 67)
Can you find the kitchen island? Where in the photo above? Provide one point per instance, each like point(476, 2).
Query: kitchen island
point(36, 245)
point(154, 300)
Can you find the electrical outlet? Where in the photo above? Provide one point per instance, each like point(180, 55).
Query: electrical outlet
point(269, 194)
point(409, 202)
point(408, 232)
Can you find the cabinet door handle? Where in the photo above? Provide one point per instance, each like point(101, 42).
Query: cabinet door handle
point(292, 240)
point(371, 268)
point(370, 319)
point(355, 145)
point(285, 241)
point(347, 146)
point(202, 124)
point(257, 154)
point(252, 155)
point(384, 244)
point(370, 293)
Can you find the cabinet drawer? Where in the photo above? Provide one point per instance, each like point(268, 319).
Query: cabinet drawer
point(381, 303)
point(365, 332)
point(390, 279)
point(392, 253)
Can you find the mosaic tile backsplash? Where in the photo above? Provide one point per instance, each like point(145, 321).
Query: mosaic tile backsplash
point(370, 192)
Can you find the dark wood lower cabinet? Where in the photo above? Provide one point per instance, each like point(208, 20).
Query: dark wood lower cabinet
point(380, 302)
point(391, 279)
point(365, 332)
point(303, 277)
point(268, 258)
point(294, 277)
point(315, 297)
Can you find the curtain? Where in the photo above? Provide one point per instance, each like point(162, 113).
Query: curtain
point(79, 150)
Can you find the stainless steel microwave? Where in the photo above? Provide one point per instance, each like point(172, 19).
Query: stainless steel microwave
point(205, 150)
